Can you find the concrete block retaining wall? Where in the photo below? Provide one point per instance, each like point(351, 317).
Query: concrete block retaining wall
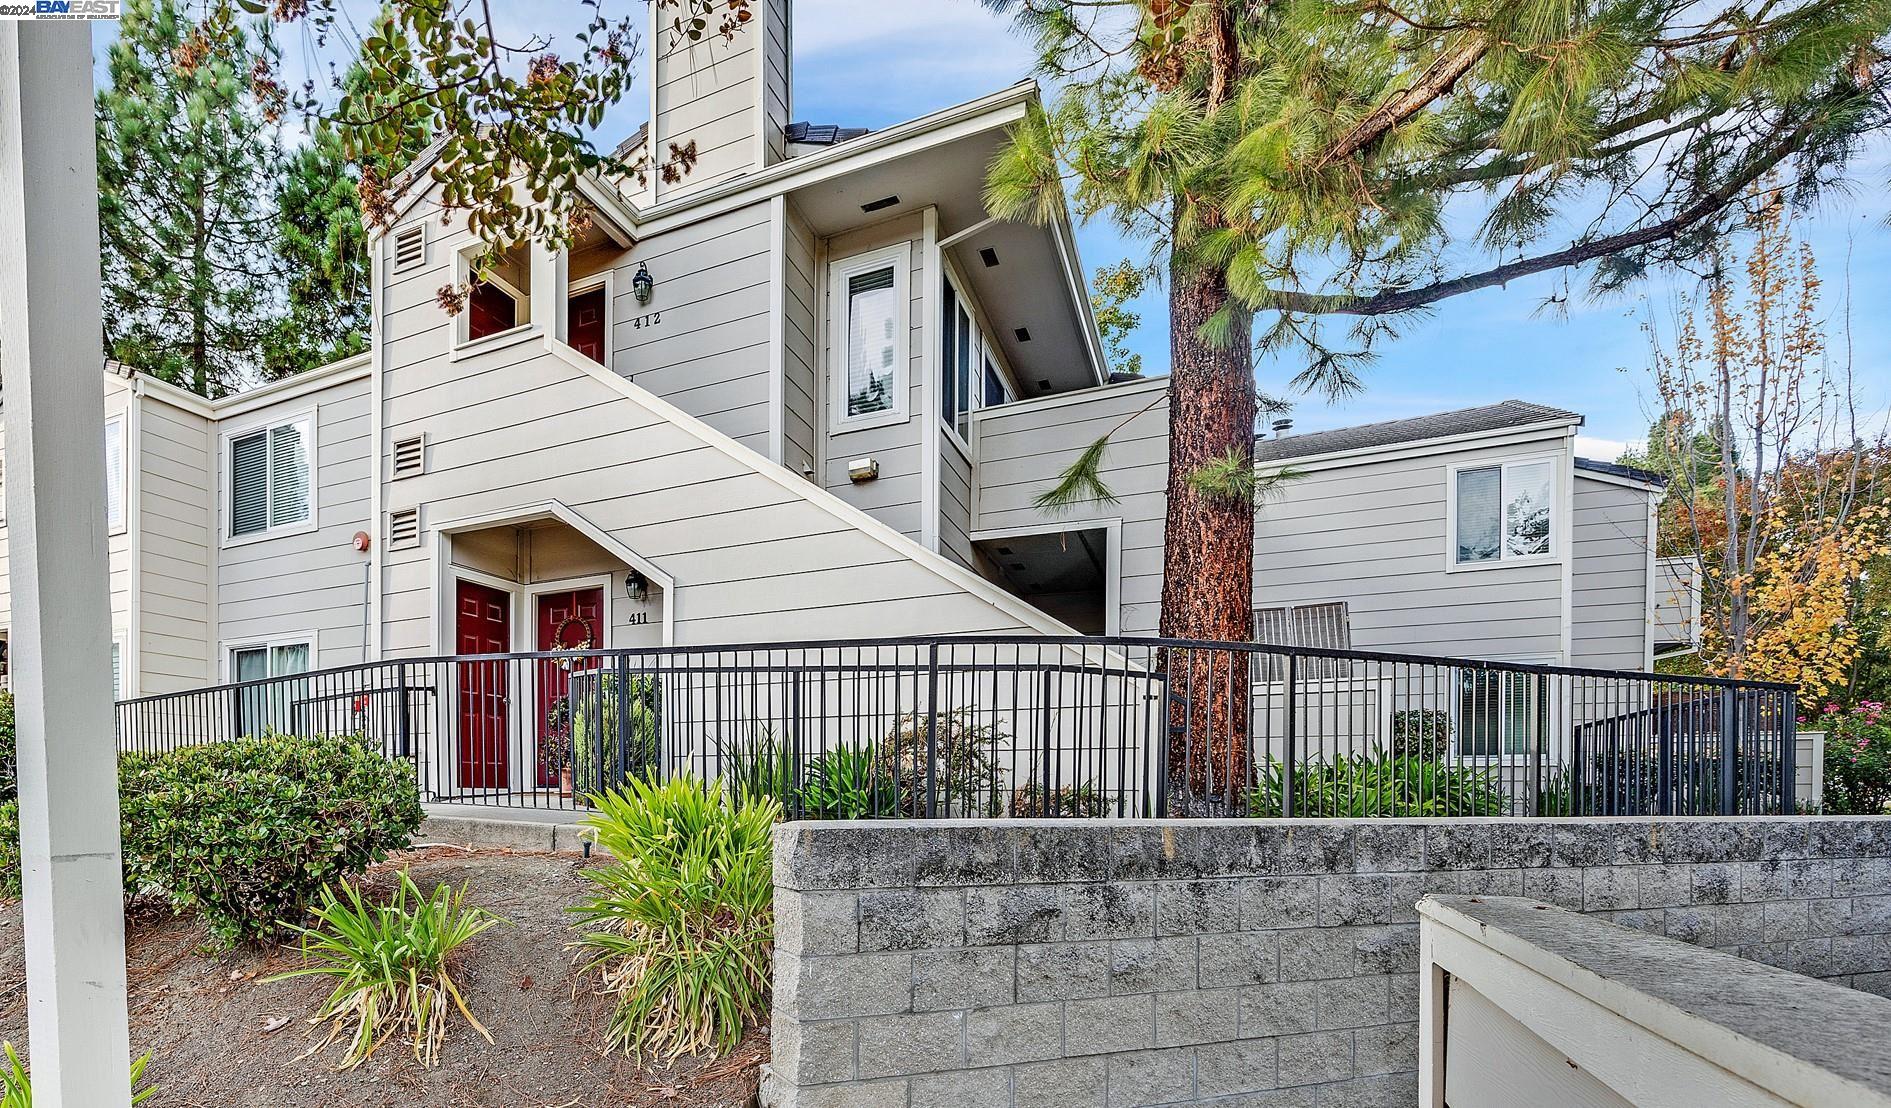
point(1053, 964)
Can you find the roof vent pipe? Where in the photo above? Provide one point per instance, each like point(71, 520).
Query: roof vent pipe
point(1281, 427)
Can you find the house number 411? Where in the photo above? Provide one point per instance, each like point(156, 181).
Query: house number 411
point(651, 320)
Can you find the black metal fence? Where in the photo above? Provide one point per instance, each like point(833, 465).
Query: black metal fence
point(1033, 726)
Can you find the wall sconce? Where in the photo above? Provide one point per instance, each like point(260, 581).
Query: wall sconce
point(643, 285)
point(863, 469)
point(635, 587)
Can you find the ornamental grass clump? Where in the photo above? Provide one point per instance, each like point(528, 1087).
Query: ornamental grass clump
point(680, 929)
point(391, 964)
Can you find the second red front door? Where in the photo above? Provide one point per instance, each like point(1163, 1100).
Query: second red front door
point(572, 620)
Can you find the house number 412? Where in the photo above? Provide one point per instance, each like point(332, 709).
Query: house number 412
point(650, 320)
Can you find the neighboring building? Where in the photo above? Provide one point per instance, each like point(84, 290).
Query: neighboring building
point(810, 391)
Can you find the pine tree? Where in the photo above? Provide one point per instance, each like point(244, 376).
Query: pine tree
point(322, 237)
point(1296, 162)
point(187, 150)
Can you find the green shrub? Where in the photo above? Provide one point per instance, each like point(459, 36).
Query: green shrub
point(1857, 758)
point(10, 848)
point(1034, 801)
point(247, 831)
point(848, 783)
point(1422, 733)
point(389, 964)
point(9, 750)
point(16, 1085)
point(680, 927)
point(594, 729)
point(1380, 785)
point(965, 769)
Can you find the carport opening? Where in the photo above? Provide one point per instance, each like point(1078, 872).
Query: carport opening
point(1063, 574)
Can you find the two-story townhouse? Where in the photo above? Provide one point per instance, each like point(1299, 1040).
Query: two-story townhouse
point(809, 391)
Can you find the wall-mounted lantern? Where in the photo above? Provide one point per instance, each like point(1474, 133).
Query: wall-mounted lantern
point(635, 587)
point(643, 285)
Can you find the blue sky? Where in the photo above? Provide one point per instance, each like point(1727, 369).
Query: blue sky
point(876, 62)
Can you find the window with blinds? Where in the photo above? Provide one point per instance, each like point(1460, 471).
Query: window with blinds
point(275, 705)
point(869, 335)
point(1324, 626)
point(968, 373)
point(272, 477)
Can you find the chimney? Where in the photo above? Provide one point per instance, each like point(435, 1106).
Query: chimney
point(728, 96)
point(1281, 427)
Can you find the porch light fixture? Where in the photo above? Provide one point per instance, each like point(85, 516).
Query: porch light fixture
point(635, 587)
point(643, 285)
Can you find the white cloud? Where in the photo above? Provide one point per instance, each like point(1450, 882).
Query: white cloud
point(1602, 450)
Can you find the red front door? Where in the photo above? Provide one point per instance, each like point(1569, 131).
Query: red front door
point(584, 325)
point(566, 621)
point(483, 626)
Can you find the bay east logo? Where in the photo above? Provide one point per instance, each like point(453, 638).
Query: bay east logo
point(69, 9)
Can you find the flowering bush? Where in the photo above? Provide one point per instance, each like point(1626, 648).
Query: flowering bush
point(1857, 757)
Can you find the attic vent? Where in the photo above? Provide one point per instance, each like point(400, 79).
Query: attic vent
point(1023, 333)
point(882, 202)
point(410, 247)
point(410, 457)
point(988, 256)
point(403, 529)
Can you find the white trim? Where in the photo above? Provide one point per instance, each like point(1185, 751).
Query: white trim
point(1618, 479)
point(1554, 745)
point(563, 513)
point(498, 340)
point(1559, 517)
point(1075, 396)
point(530, 593)
point(964, 233)
point(1112, 528)
point(375, 362)
point(461, 344)
point(950, 571)
point(223, 517)
point(1653, 580)
point(931, 466)
point(276, 392)
point(130, 656)
point(898, 257)
point(777, 322)
point(989, 350)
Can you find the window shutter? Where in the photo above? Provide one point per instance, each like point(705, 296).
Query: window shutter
point(410, 247)
point(403, 529)
point(410, 457)
point(289, 472)
point(249, 484)
point(115, 476)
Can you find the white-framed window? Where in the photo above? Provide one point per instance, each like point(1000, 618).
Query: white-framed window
point(969, 373)
point(1501, 713)
point(272, 705)
point(1503, 513)
point(118, 667)
point(499, 303)
point(868, 304)
point(115, 475)
point(271, 480)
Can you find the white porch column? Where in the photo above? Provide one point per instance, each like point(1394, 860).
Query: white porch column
point(50, 361)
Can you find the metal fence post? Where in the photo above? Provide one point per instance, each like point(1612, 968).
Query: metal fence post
point(621, 703)
point(1788, 752)
point(932, 731)
point(1664, 757)
point(1729, 751)
point(403, 727)
point(1292, 735)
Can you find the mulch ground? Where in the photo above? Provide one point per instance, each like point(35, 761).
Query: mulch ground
point(222, 1036)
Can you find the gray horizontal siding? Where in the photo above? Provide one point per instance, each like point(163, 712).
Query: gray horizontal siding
point(177, 482)
point(1609, 593)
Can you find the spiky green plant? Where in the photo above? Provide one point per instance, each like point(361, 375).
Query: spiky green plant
point(391, 966)
point(760, 766)
point(16, 1085)
point(680, 929)
point(849, 783)
point(1379, 785)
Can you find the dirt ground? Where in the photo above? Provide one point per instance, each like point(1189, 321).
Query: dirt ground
point(207, 1018)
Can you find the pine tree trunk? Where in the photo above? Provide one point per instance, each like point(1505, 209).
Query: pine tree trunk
point(1208, 553)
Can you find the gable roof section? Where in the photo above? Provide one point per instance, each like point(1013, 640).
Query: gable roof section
point(1465, 421)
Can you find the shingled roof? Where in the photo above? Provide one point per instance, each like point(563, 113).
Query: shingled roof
point(1617, 469)
point(1465, 421)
